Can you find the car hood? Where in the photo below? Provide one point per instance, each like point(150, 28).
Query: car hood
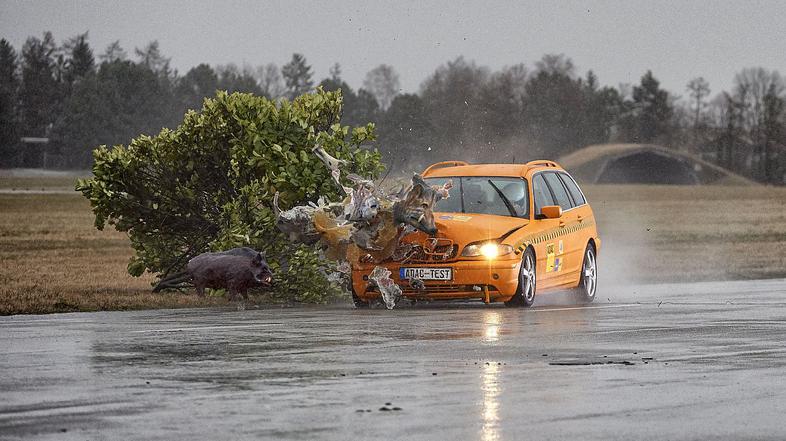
point(465, 228)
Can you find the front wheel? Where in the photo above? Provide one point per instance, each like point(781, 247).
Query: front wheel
point(588, 278)
point(525, 293)
point(356, 300)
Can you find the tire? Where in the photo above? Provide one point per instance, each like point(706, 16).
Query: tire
point(588, 277)
point(525, 293)
point(357, 301)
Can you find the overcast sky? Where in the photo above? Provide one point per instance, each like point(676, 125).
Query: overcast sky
point(619, 40)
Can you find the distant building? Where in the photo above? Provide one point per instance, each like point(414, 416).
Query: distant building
point(645, 164)
point(33, 152)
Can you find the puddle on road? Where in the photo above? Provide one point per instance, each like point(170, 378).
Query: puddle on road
point(591, 363)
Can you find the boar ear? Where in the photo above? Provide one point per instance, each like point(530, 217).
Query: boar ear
point(418, 181)
point(417, 187)
point(257, 260)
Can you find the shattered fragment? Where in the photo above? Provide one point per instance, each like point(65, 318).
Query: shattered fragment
point(332, 165)
point(363, 205)
point(391, 293)
point(297, 222)
point(444, 190)
point(344, 267)
point(334, 237)
point(336, 277)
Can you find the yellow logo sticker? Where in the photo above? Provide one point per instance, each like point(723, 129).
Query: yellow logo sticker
point(549, 257)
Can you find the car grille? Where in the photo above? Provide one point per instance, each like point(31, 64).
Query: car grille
point(437, 289)
point(431, 250)
point(442, 253)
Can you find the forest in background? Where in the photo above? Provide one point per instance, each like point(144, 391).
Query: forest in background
point(78, 100)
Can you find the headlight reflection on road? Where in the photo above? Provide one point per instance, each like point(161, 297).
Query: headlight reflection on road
point(491, 323)
point(489, 386)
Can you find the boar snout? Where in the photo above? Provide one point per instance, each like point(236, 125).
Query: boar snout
point(261, 270)
point(264, 278)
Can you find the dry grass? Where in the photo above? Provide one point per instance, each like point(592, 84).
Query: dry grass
point(51, 183)
point(39, 180)
point(674, 233)
point(52, 259)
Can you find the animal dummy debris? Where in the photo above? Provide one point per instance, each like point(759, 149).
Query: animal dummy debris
point(368, 226)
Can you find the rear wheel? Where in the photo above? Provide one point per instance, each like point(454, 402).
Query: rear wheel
point(525, 293)
point(588, 279)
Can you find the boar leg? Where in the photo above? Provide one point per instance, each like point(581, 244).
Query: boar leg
point(200, 289)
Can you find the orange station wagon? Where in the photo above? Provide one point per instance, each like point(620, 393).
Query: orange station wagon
point(506, 233)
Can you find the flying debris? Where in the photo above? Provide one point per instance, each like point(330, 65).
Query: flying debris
point(332, 164)
point(367, 226)
point(391, 293)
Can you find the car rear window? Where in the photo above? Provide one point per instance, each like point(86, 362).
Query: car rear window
point(541, 194)
point(558, 190)
point(573, 189)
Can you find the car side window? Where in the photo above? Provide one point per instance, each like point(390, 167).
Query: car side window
point(573, 189)
point(541, 193)
point(560, 194)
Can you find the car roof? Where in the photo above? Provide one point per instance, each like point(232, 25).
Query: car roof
point(461, 168)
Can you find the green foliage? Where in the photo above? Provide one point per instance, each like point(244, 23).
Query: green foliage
point(209, 184)
point(9, 81)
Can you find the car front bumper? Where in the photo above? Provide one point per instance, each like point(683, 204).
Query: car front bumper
point(488, 280)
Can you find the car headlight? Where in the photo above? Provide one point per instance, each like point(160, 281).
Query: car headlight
point(489, 250)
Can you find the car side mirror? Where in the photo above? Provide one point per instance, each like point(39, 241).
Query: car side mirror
point(551, 211)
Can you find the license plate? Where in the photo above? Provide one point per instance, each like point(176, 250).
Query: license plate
point(426, 273)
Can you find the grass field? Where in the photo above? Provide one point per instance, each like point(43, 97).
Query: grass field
point(52, 259)
point(37, 180)
point(690, 233)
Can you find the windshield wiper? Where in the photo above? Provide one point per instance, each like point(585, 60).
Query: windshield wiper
point(504, 199)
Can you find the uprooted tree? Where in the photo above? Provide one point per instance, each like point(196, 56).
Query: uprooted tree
point(209, 184)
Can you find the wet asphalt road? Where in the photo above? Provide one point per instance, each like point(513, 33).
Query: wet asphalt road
point(698, 361)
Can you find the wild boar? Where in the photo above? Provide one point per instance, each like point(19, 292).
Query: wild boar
point(235, 270)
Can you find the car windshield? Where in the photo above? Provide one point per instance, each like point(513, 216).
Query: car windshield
point(484, 195)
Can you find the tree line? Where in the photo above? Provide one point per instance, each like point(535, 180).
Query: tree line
point(78, 100)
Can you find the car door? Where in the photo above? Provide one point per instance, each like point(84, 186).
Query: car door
point(584, 220)
point(563, 256)
point(544, 247)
